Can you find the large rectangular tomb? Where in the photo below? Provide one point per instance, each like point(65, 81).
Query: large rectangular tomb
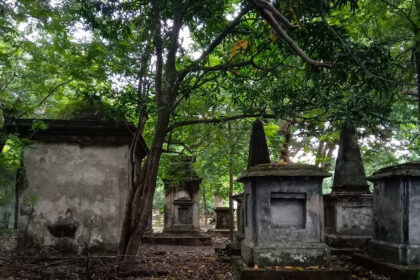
point(73, 185)
point(396, 214)
point(283, 215)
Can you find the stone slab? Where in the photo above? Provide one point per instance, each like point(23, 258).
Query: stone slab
point(347, 241)
point(183, 239)
point(395, 272)
point(267, 274)
point(290, 253)
point(219, 232)
point(395, 253)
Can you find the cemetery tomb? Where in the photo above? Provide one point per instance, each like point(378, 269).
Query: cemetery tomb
point(396, 214)
point(283, 215)
point(74, 184)
point(349, 207)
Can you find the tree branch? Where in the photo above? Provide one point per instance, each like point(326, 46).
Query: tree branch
point(222, 35)
point(268, 16)
point(219, 120)
point(262, 4)
point(159, 51)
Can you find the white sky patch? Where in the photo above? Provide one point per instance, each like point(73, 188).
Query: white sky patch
point(80, 34)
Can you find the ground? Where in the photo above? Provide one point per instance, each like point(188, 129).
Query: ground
point(156, 262)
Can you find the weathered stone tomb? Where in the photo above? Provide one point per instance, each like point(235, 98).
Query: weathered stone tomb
point(349, 207)
point(223, 218)
point(396, 214)
point(283, 215)
point(73, 185)
point(182, 197)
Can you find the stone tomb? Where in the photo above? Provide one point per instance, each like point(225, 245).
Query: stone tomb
point(283, 215)
point(348, 209)
point(396, 214)
point(74, 184)
point(182, 204)
point(182, 196)
point(223, 219)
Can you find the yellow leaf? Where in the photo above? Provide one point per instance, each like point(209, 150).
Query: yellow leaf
point(313, 267)
point(242, 44)
point(190, 270)
point(256, 266)
point(295, 16)
point(297, 268)
point(288, 267)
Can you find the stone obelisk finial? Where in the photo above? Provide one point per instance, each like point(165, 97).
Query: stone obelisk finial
point(258, 150)
point(349, 175)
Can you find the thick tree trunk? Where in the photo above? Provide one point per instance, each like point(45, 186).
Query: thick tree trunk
point(140, 199)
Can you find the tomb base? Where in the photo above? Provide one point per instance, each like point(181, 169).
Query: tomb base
point(192, 238)
point(348, 220)
point(219, 232)
point(290, 253)
point(395, 253)
point(393, 271)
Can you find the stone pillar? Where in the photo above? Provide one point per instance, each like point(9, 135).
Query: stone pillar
point(283, 215)
point(182, 197)
point(396, 214)
point(348, 209)
point(240, 234)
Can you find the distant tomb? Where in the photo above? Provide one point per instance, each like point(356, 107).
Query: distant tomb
point(396, 214)
point(182, 196)
point(283, 215)
point(73, 184)
point(182, 205)
point(223, 219)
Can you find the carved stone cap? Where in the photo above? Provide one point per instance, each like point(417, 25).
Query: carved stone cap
point(408, 169)
point(238, 197)
point(284, 170)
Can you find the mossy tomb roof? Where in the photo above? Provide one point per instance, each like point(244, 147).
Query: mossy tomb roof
point(408, 169)
point(283, 170)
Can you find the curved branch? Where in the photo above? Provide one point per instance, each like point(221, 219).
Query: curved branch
point(222, 35)
point(262, 4)
point(218, 120)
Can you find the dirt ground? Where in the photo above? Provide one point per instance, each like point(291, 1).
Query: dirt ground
point(156, 262)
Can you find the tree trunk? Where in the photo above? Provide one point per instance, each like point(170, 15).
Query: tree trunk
point(231, 226)
point(205, 207)
point(285, 131)
point(417, 58)
point(140, 198)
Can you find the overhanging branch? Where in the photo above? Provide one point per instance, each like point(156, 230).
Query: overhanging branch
point(218, 120)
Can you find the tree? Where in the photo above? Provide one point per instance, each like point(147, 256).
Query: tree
point(139, 43)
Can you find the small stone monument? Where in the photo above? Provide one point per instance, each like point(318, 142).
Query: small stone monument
point(396, 214)
point(283, 215)
point(182, 196)
point(222, 217)
point(182, 204)
point(283, 209)
point(348, 209)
